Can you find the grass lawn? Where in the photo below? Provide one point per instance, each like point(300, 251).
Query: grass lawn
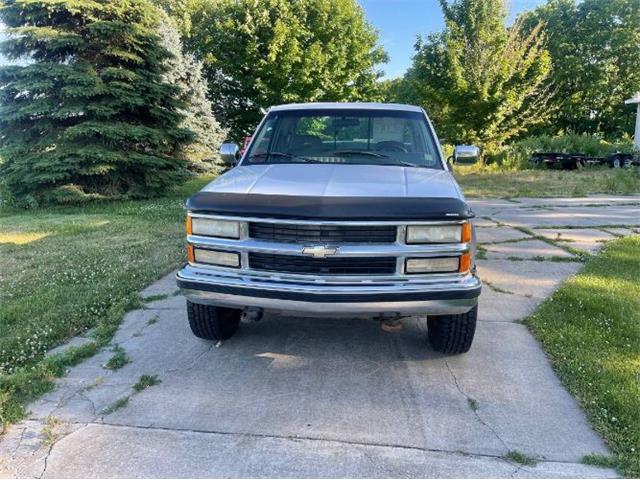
point(485, 182)
point(590, 329)
point(66, 270)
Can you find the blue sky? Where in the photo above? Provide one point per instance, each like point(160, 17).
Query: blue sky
point(400, 21)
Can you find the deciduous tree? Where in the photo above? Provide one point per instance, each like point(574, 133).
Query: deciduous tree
point(595, 53)
point(480, 80)
point(260, 53)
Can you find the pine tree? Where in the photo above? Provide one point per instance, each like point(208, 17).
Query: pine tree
point(89, 115)
point(185, 72)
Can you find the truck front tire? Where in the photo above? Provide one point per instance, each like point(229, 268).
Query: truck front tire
point(452, 334)
point(212, 323)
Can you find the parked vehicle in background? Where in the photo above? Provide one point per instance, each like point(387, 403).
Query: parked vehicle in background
point(575, 161)
point(338, 209)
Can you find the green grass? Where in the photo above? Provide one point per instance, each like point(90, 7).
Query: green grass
point(155, 298)
point(521, 458)
point(487, 182)
point(598, 460)
point(146, 381)
point(117, 405)
point(590, 329)
point(65, 270)
point(118, 360)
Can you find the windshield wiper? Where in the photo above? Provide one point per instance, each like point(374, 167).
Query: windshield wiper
point(284, 155)
point(406, 164)
point(360, 152)
point(377, 155)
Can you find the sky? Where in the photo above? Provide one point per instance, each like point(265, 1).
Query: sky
point(400, 21)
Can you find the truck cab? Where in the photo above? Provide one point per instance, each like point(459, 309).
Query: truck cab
point(334, 209)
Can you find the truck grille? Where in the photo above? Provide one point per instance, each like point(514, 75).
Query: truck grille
point(325, 234)
point(322, 266)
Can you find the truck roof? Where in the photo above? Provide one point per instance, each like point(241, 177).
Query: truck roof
point(347, 105)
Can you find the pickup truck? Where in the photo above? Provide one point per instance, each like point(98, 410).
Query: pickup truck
point(334, 209)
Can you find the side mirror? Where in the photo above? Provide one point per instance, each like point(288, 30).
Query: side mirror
point(230, 153)
point(466, 154)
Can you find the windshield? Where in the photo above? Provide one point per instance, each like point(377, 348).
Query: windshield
point(356, 136)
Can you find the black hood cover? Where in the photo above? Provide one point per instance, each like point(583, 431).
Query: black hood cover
point(329, 208)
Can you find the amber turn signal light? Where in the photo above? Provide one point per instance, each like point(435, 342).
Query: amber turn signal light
point(189, 225)
point(466, 232)
point(190, 254)
point(465, 263)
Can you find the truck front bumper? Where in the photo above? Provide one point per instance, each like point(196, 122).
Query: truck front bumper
point(437, 295)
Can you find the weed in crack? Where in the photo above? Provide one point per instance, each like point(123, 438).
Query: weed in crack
point(117, 405)
point(155, 298)
point(146, 381)
point(49, 430)
point(118, 360)
point(521, 458)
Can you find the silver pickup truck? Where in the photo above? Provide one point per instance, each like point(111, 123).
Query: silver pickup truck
point(334, 209)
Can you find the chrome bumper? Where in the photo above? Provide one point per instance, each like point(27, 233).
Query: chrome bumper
point(435, 295)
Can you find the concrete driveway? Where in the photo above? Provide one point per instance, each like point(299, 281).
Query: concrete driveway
point(295, 397)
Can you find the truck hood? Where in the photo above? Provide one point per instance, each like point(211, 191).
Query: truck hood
point(337, 180)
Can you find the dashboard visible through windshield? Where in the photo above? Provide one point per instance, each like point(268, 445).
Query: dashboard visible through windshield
point(355, 136)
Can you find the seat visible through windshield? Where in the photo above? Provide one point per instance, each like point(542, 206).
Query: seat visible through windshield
point(373, 137)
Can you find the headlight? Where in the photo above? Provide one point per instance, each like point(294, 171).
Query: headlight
point(215, 257)
point(439, 233)
point(432, 265)
point(214, 228)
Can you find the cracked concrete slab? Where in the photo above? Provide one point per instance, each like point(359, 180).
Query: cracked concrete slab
point(621, 232)
point(570, 216)
point(299, 397)
point(484, 222)
point(339, 381)
point(529, 279)
point(164, 286)
point(586, 239)
point(116, 451)
point(590, 200)
point(495, 306)
point(499, 234)
point(526, 249)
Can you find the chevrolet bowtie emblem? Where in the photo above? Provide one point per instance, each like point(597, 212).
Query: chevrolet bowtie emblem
point(319, 251)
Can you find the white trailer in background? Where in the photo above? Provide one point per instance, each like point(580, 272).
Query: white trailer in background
point(636, 100)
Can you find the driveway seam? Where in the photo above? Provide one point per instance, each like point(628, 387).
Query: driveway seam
point(316, 439)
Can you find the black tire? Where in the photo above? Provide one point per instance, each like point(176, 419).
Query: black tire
point(452, 334)
point(212, 323)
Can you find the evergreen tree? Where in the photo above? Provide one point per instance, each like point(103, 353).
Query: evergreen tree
point(185, 72)
point(89, 115)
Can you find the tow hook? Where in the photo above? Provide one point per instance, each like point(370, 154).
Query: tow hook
point(251, 315)
point(391, 324)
